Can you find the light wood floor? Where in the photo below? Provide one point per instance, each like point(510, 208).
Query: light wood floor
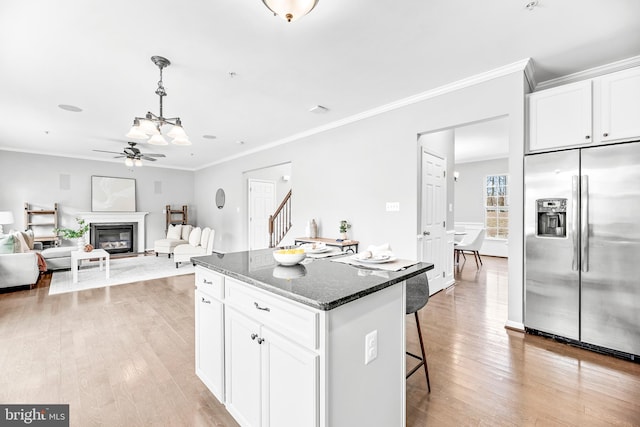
point(124, 356)
point(485, 375)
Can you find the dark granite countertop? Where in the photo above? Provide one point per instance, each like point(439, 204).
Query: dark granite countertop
point(319, 283)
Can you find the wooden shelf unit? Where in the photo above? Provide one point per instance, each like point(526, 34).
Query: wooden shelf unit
point(176, 216)
point(30, 222)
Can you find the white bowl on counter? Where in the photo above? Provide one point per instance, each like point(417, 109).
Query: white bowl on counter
point(289, 256)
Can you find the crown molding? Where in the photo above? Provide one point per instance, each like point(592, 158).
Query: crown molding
point(590, 73)
point(519, 66)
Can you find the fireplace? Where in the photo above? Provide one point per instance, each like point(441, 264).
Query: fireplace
point(110, 218)
point(115, 238)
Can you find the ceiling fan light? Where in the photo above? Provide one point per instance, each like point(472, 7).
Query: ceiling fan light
point(157, 139)
point(177, 132)
point(290, 10)
point(128, 161)
point(181, 140)
point(138, 162)
point(149, 127)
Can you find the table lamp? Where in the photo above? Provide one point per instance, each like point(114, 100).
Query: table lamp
point(6, 218)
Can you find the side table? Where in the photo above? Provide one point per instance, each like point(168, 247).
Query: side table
point(78, 256)
point(345, 245)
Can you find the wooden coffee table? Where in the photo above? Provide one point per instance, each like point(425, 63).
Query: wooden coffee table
point(78, 256)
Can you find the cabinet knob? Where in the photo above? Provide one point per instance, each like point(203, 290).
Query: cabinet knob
point(605, 134)
point(587, 137)
point(206, 301)
point(254, 336)
point(261, 308)
point(260, 340)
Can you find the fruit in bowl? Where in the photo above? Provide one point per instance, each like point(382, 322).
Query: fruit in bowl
point(289, 256)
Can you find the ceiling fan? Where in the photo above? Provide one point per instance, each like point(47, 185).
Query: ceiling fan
point(132, 155)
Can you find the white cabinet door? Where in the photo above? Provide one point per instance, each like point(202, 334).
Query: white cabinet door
point(560, 117)
point(242, 368)
point(210, 343)
point(290, 383)
point(619, 106)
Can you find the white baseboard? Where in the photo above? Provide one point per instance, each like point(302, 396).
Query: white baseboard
point(516, 326)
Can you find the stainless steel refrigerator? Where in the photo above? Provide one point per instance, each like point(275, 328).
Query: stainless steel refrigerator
point(582, 246)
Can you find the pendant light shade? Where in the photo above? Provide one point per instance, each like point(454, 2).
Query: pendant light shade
point(157, 140)
point(290, 10)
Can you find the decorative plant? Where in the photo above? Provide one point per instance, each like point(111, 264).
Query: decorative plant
point(344, 226)
point(70, 233)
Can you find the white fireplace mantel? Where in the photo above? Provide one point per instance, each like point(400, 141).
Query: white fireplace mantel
point(114, 217)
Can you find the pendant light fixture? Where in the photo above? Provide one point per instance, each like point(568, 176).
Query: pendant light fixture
point(148, 127)
point(290, 10)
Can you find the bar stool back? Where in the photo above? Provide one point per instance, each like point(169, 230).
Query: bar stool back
point(417, 297)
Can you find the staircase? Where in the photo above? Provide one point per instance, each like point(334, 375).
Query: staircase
point(280, 221)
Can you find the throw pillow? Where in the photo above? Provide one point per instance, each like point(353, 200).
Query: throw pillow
point(7, 243)
point(29, 238)
point(19, 243)
point(194, 237)
point(174, 231)
point(186, 230)
point(205, 237)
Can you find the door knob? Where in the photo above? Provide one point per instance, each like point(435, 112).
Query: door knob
point(426, 233)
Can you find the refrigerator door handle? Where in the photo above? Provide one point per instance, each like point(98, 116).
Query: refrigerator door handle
point(574, 221)
point(584, 222)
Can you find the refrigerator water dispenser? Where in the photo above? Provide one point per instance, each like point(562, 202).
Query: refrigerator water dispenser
point(552, 217)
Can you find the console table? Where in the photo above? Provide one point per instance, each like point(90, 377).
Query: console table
point(345, 245)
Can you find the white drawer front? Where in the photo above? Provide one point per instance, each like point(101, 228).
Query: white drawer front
point(288, 318)
point(210, 282)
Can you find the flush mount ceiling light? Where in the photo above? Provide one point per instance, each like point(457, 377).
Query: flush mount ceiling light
point(290, 10)
point(148, 127)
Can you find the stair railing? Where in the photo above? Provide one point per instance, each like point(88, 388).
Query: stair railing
point(280, 221)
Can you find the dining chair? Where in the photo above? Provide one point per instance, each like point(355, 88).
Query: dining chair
point(417, 297)
point(473, 246)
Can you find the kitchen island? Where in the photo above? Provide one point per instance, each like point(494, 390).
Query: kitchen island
point(317, 344)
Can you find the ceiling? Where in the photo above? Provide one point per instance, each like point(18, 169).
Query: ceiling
point(241, 74)
point(482, 141)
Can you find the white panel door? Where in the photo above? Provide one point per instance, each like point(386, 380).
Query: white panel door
point(261, 206)
point(433, 218)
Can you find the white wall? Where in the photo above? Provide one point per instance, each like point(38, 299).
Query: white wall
point(42, 181)
point(470, 188)
point(350, 173)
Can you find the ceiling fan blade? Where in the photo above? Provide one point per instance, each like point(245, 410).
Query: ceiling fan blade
point(119, 157)
point(151, 159)
point(153, 155)
point(110, 152)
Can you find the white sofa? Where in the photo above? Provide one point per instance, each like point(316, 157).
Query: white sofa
point(18, 262)
point(200, 243)
point(177, 234)
point(18, 269)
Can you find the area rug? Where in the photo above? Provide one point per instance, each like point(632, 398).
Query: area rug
point(122, 270)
